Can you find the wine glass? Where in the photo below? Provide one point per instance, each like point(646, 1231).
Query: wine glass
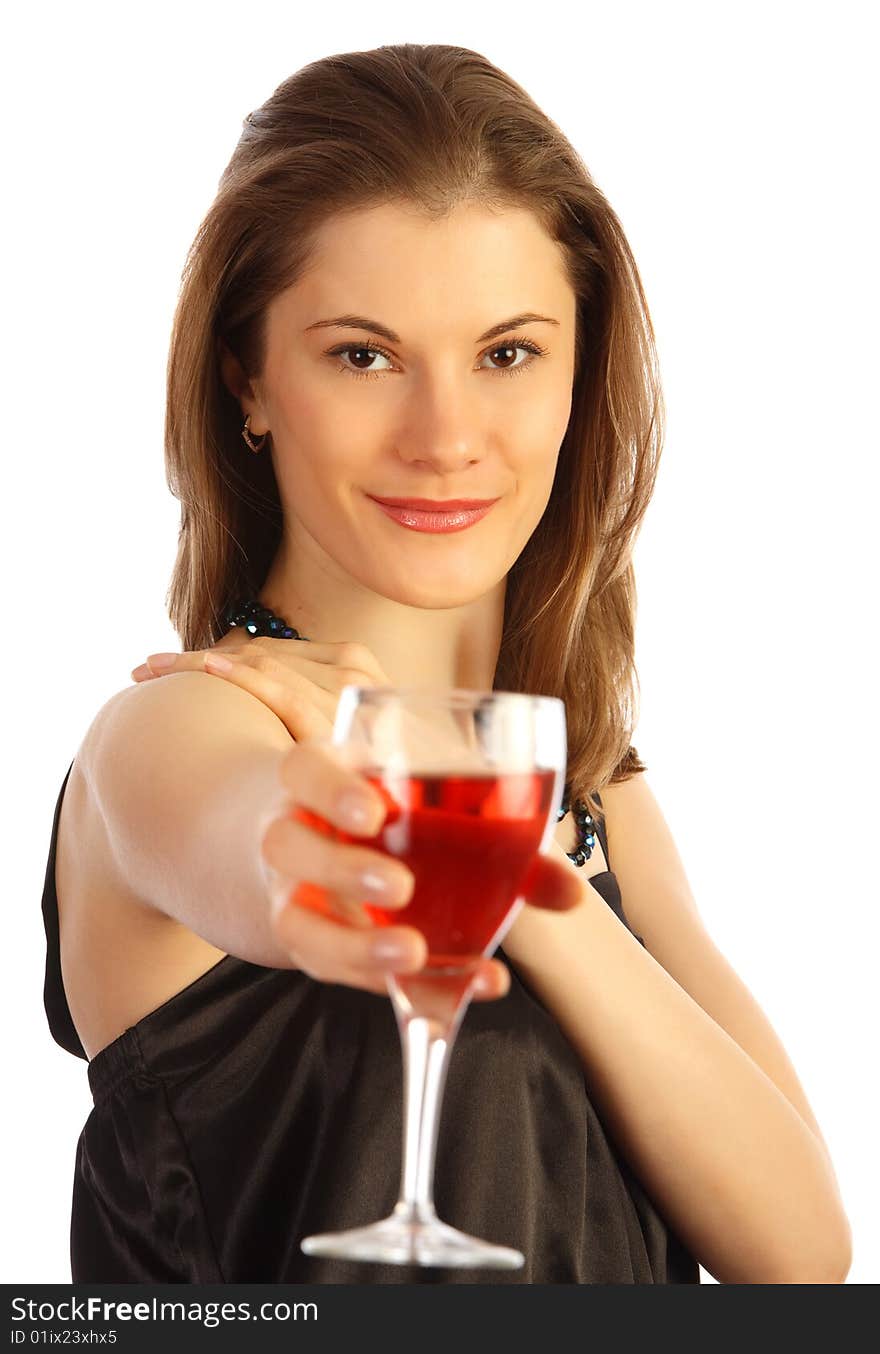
point(471, 781)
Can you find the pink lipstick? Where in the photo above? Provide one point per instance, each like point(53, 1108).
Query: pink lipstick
point(435, 515)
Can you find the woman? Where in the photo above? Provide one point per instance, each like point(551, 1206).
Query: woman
point(398, 233)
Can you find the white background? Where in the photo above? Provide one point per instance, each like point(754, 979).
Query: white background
point(735, 143)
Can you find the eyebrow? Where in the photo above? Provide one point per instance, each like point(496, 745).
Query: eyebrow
point(363, 322)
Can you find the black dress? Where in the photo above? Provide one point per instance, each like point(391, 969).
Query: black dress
point(258, 1105)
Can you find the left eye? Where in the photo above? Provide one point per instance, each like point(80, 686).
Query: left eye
point(530, 348)
point(373, 350)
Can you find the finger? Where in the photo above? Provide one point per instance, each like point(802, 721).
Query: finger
point(331, 951)
point(318, 671)
point(160, 664)
point(301, 852)
point(300, 670)
point(319, 949)
point(317, 898)
point(320, 779)
point(306, 710)
point(342, 653)
point(492, 980)
point(551, 884)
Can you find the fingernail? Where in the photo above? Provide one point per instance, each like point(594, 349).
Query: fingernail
point(139, 673)
point(389, 951)
point(215, 662)
point(357, 811)
point(381, 885)
point(162, 660)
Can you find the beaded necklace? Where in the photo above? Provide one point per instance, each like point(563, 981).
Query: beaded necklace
point(257, 619)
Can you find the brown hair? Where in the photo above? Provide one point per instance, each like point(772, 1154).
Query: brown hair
point(430, 125)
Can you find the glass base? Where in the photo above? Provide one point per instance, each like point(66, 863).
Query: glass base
point(400, 1241)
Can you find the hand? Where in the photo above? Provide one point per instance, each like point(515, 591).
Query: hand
point(317, 891)
point(297, 679)
point(300, 682)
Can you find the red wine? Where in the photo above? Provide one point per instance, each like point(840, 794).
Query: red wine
point(469, 841)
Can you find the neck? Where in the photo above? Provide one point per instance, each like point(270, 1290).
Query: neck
point(414, 646)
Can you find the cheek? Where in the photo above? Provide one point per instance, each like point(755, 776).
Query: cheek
point(543, 421)
point(346, 424)
point(303, 413)
point(319, 438)
point(540, 430)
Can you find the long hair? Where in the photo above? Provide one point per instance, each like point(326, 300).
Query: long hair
point(432, 126)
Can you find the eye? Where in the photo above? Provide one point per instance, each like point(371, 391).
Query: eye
point(511, 346)
point(373, 350)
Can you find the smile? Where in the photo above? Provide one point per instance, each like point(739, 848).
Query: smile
point(434, 519)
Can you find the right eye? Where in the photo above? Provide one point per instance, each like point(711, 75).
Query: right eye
point(371, 349)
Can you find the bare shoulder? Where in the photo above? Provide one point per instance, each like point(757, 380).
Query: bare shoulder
point(132, 716)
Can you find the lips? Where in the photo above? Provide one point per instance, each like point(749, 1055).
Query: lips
point(434, 504)
point(435, 515)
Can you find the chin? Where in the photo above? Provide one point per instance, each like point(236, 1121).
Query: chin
point(434, 593)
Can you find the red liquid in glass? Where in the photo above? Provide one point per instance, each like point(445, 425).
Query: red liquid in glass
point(469, 841)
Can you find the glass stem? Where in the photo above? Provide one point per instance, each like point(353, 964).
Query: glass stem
point(426, 1044)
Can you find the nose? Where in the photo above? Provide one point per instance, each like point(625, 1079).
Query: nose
point(441, 432)
point(443, 458)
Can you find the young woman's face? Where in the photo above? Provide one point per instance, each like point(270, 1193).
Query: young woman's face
point(441, 413)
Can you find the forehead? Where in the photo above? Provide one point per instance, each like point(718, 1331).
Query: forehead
point(474, 265)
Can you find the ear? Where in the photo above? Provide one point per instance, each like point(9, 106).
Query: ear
point(236, 381)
